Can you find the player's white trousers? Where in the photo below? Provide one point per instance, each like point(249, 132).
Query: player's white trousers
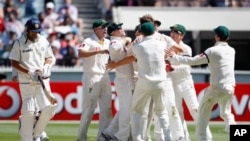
point(214, 94)
point(33, 99)
point(142, 94)
point(184, 90)
point(120, 125)
point(124, 88)
point(151, 117)
point(175, 123)
point(96, 88)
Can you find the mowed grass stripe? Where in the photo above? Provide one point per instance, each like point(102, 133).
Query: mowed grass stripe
point(63, 131)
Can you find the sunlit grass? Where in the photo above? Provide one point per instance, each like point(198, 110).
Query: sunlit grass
point(67, 131)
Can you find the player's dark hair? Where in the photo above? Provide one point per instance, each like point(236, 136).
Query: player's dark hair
point(146, 18)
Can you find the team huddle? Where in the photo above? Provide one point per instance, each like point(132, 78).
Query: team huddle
point(152, 77)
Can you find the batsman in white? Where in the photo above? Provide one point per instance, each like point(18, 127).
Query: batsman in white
point(28, 56)
point(43, 136)
point(220, 59)
point(96, 81)
point(182, 80)
point(124, 82)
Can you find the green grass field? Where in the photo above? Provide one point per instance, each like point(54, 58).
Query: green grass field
point(63, 131)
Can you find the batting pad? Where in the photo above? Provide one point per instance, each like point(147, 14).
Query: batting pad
point(47, 113)
point(26, 126)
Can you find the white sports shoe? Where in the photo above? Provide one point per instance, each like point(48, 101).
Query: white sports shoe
point(44, 138)
point(181, 139)
point(37, 139)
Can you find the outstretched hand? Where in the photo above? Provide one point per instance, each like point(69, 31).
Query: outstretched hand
point(169, 52)
point(111, 65)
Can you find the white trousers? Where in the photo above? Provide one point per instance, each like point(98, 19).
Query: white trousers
point(124, 88)
point(214, 94)
point(175, 123)
point(143, 93)
point(120, 125)
point(96, 89)
point(33, 100)
point(184, 90)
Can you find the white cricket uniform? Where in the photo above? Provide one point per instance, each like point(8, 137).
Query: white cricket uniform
point(175, 124)
point(220, 59)
point(124, 85)
point(151, 83)
point(32, 55)
point(184, 88)
point(96, 87)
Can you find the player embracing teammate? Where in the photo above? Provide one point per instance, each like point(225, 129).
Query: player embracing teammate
point(158, 93)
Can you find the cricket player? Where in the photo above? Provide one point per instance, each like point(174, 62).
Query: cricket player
point(43, 136)
point(124, 82)
point(94, 51)
point(151, 82)
point(220, 59)
point(176, 129)
point(182, 80)
point(32, 56)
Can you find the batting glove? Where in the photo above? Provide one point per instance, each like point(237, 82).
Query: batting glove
point(46, 71)
point(33, 75)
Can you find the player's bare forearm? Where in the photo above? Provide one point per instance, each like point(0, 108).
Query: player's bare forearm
point(91, 53)
point(177, 48)
point(129, 59)
point(19, 66)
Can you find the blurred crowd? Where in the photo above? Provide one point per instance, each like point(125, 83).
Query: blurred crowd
point(182, 3)
point(62, 27)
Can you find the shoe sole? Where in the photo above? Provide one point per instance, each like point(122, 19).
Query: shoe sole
point(45, 139)
point(106, 137)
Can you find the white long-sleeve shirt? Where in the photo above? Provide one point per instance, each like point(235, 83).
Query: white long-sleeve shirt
point(220, 59)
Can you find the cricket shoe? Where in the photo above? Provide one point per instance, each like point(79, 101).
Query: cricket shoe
point(181, 139)
point(44, 138)
point(114, 138)
point(36, 139)
point(106, 136)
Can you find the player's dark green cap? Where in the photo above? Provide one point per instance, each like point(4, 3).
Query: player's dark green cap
point(179, 28)
point(114, 26)
point(138, 28)
point(157, 22)
point(100, 22)
point(222, 31)
point(148, 28)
